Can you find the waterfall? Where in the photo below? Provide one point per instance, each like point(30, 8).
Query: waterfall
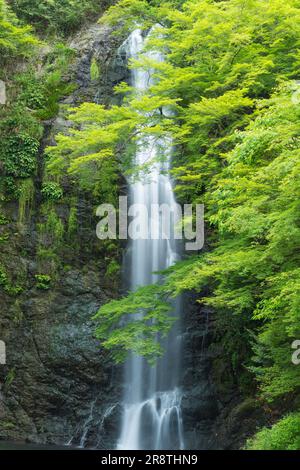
point(86, 425)
point(152, 398)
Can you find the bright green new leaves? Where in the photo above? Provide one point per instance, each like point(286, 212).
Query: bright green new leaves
point(92, 153)
point(14, 39)
point(284, 435)
point(134, 323)
point(126, 13)
point(254, 269)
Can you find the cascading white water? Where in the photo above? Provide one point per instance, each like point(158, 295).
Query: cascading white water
point(152, 401)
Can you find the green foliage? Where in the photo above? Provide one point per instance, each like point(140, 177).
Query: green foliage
point(52, 230)
point(254, 267)
point(113, 269)
point(6, 284)
point(10, 377)
point(17, 117)
point(43, 281)
point(47, 258)
point(284, 435)
point(72, 222)
point(126, 12)
point(7, 425)
point(15, 40)
point(20, 133)
point(55, 88)
point(3, 220)
point(57, 16)
point(41, 93)
point(26, 195)
point(3, 277)
point(19, 155)
point(97, 167)
point(95, 72)
point(229, 81)
point(31, 90)
point(50, 240)
point(52, 191)
point(134, 324)
point(32, 97)
point(4, 238)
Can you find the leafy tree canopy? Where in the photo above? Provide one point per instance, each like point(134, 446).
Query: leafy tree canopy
point(15, 40)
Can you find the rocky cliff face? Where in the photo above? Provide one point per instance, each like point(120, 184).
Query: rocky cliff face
point(216, 414)
point(200, 405)
point(58, 385)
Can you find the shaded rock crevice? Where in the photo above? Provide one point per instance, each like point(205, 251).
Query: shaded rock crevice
point(217, 415)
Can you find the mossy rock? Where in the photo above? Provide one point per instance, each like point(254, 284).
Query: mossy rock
point(245, 409)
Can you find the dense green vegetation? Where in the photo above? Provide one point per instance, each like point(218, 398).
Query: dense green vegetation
point(15, 40)
point(283, 435)
point(35, 62)
point(35, 67)
point(60, 17)
point(230, 77)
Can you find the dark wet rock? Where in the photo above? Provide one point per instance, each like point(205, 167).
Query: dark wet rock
point(97, 43)
point(215, 413)
point(58, 367)
point(200, 405)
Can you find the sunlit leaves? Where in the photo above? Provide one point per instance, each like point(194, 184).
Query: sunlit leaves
point(135, 323)
point(15, 40)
